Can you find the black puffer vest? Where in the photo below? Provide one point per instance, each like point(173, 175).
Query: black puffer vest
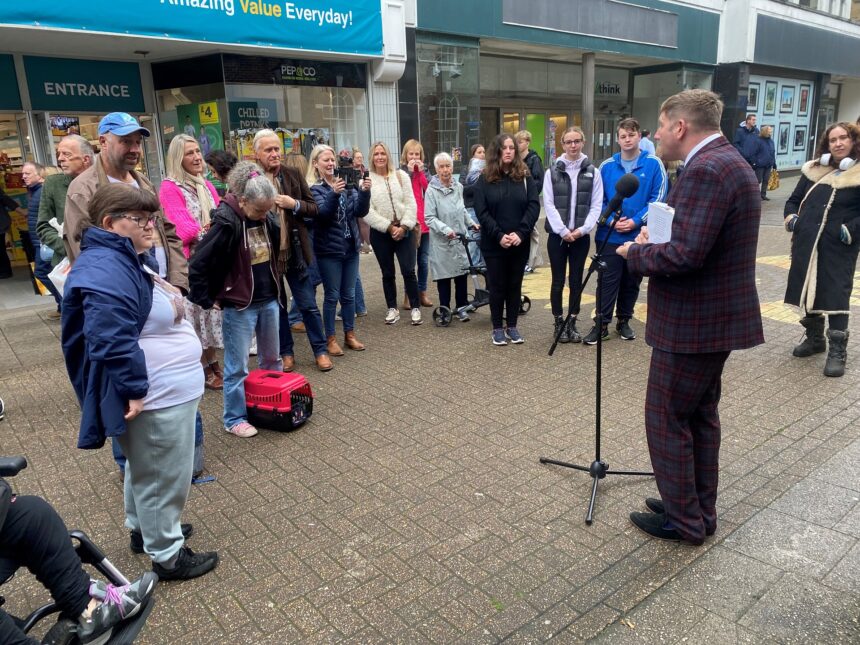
point(561, 193)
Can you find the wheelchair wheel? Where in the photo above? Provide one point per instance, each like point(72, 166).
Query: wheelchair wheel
point(525, 304)
point(441, 316)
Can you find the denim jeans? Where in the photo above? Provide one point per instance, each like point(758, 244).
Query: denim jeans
point(41, 270)
point(360, 305)
point(305, 297)
point(339, 276)
point(423, 261)
point(238, 327)
point(316, 280)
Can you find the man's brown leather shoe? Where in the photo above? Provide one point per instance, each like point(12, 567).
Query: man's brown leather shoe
point(289, 363)
point(324, 363)
point(352, 342)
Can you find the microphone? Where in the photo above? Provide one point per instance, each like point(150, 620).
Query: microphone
point(624, 188)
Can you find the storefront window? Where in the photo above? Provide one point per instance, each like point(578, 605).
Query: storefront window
point(448, 106)
point(651, 89)
point(305, 102)
point(14, 151)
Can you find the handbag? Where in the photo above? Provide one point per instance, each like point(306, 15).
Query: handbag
point(773, 180)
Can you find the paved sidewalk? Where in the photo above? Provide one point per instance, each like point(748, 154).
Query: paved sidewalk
point(412, 507)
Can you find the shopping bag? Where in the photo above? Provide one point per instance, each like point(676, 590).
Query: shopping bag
point(59, 274)
point(773, 180)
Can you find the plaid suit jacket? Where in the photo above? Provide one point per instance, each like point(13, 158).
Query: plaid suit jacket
point(701, 293)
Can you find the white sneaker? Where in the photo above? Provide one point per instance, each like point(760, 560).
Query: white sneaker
point(416, 316)
point(392, 316)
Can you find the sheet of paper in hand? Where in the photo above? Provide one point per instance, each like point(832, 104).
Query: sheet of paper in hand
point(660, 217)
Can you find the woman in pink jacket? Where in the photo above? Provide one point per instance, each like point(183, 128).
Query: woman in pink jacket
point(412, 163)
point(187, 200)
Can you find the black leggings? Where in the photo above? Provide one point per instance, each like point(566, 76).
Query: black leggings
point(505, 284)
point(34, 536)
point(566, 258)
point(460, 291)
point(385, 249)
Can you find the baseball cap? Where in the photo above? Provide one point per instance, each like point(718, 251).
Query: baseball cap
point(120, 124)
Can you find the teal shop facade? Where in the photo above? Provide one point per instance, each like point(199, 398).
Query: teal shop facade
point(218, 72)
point(504, 65)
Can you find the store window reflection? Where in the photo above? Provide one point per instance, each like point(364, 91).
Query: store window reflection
point(448, 107)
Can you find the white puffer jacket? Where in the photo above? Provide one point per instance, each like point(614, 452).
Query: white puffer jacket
point(391, 198)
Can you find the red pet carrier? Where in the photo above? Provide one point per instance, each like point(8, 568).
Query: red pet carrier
point(277, 400)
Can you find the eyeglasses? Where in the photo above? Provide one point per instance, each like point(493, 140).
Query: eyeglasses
point(142, 222)
point(572, 142)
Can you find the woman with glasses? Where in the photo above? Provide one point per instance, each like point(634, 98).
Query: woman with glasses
point(337, 242)
point(573, 195)
point(134, 362)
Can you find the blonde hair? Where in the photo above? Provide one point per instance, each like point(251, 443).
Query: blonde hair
point(313, 175)
point(701, 109)
point(297, 161)
point(380, 144)
point(522, 135)
point(175, 154)
point(411, 145)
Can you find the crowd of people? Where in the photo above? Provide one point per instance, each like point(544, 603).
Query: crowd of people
point(163, 281)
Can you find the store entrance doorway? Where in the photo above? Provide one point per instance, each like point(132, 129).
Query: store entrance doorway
point(545, 126)
point(605, 128)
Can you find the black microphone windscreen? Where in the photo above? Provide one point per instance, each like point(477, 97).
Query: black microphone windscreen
point(627, 185)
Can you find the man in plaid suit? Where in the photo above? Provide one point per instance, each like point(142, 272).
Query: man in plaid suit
point(702, 304)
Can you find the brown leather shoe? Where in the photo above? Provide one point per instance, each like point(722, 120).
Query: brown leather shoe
point(324, 363)
point(352, 342)
point(406, 306)
point(333, 348)
point(425, 301)
point(289, 363)
point(298, 328)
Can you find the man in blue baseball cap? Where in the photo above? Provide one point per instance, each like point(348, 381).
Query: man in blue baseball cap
point(120, 150)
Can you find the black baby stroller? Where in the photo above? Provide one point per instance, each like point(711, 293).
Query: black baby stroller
point(480, 296)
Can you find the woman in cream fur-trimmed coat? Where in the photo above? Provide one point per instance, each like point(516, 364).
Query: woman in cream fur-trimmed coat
point(823, 214)
point(392, 218)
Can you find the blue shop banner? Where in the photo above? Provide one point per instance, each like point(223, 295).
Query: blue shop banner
point(342, 26)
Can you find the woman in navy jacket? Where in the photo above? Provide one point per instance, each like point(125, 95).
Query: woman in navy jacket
point(337, 242)
point(134, 362)
point(764, 158)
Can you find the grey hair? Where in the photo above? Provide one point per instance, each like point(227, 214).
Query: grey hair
point(84, 145)
point(262, 134)
point(247, 180)
point(442, 156)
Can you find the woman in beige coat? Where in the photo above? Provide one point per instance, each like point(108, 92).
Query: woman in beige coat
point(392, 218)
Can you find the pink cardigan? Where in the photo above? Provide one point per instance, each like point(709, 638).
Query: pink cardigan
point(173, 205)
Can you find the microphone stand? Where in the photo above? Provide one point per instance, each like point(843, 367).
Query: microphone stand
point(598, 469)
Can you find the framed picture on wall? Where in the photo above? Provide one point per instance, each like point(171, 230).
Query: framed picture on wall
point(786, 99)
point(803, 102)
point(799, 138)
point(770, 98)
point(782, 138)
point(752, 98)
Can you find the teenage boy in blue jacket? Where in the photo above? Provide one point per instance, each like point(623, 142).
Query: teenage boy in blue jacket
point(617, 283)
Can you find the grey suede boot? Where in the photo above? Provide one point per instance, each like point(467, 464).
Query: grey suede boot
point(837, 353)
point(814, 342)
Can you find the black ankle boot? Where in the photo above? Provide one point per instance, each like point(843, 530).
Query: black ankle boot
point(814, 342)
point(572, 332)
point(560, 326)
point(837, 353)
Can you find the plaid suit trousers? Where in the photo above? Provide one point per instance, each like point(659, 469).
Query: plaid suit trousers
point(683, 429)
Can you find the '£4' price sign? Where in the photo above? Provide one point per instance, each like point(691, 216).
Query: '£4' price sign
point(208, 112)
